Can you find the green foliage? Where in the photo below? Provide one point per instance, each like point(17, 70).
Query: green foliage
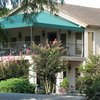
point(16, 85)
point(34, 7)
point(64, 83)
point(89, 84)
point(38, 5)
point(3, 11)
point(48, 63)
point(91, 66)
point(14, 68)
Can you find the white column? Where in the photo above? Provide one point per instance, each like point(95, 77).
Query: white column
point(31, 34)
point(32, 73)
point(58, 81)
point(32, 76)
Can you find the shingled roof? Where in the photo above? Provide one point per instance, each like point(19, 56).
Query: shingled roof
point(87, 15)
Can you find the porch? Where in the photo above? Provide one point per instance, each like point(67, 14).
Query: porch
point(20, 40)
point(45, 27)
point(24, 48)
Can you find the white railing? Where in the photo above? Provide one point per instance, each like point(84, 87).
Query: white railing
point(24, 48)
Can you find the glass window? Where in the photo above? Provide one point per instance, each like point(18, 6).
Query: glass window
point(78, 43)
point(63, 39)
point(13, 39)
point(37, 39)
point(27, 38)
point(90, 42)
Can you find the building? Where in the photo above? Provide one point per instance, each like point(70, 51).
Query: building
point(77, 27)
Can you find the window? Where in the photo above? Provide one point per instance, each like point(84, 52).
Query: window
point(90, 42)
point(27, 38)
point(37, 39)
point(13, 39)
point(78, 42)
point(63, 39)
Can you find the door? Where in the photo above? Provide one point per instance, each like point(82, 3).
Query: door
point(52, 36)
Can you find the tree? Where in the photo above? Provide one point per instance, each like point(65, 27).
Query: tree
point(48, 63)
point(3, 11)
point(27, 6)
point(91, 77)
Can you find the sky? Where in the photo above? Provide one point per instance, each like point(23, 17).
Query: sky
point(88, 3)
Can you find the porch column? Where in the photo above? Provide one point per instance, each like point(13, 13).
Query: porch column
point(58, 35)
point(58, 81)
point(31, 34)
point(32, 73)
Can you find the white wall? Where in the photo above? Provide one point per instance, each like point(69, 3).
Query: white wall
point(96, 41)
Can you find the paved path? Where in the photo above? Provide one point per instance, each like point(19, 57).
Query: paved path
point(18, 96)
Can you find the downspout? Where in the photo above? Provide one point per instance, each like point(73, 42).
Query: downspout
point(31, 34)
point(83, 44)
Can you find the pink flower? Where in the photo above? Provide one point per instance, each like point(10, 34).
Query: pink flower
point(55, 41)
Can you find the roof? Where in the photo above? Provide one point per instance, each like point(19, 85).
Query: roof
point(90, 16)
point(44, 19)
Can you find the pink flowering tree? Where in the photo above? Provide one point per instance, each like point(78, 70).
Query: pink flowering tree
point(48, 63)
point(13, 68)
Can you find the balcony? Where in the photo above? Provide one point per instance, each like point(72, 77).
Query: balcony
point(15, 48)
point(75, 50)
point(24, 48)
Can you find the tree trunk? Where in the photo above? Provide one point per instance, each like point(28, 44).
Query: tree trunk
point(49, 84)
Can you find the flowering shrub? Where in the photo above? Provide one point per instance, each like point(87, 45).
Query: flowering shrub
point(13, 68)
point(62, 90)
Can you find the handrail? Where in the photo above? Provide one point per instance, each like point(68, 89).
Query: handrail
point(16, 48)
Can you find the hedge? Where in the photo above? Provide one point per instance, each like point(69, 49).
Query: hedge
point(16, 85)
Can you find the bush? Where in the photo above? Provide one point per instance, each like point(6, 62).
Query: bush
point(16, 85)
point(14, 69)
point(64, 84)
point(90, 83)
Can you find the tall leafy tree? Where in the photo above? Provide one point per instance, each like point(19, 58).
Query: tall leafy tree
point(90, 81)
point(28, 5)
point(48, 63)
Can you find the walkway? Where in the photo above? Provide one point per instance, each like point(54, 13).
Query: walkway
point(18, 96)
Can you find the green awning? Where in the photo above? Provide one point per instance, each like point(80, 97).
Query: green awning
point(43, 19)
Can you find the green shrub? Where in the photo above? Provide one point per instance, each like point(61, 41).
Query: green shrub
point(64, 83)
point(90, 83)
point(16, 85)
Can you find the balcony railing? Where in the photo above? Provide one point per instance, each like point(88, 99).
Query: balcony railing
point(24, 48)
point(15, 48)
point(74, 50)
